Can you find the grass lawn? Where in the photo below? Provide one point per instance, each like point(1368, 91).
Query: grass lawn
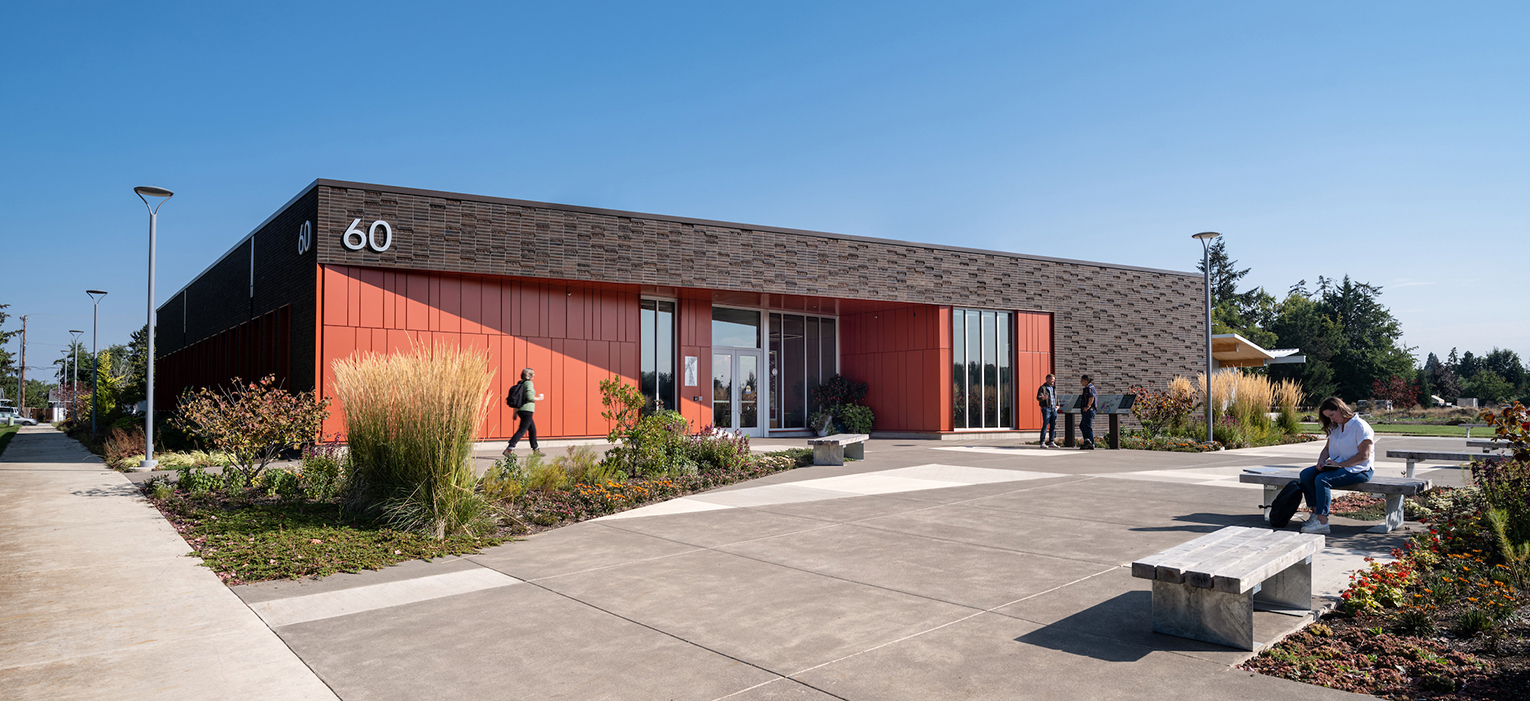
point(1418, 430)
point(6, 433)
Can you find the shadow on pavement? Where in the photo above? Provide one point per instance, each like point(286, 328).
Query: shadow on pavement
point(1116, 630)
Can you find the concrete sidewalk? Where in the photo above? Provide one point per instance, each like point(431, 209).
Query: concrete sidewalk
point(98, 600)
point(929, 570)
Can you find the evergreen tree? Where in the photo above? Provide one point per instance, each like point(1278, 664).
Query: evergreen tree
point(1244, 313)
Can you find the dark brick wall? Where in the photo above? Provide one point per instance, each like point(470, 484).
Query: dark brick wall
point(220, 299)
point(1121, 324)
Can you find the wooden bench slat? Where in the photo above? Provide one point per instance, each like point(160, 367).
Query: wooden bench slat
point(1376, 485)
point(1215, 560)
point(1174, 570)
point(1147, 567)
point(839, 439)
point(1241, 577)
point(1432, 455)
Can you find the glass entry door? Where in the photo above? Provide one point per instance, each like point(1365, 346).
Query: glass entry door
point(736, 389)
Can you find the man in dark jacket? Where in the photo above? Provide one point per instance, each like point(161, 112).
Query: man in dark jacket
point(1046, 397)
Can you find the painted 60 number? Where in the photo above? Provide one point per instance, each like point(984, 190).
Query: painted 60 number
point(356, 239)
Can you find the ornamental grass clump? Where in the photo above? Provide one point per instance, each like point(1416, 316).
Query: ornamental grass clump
point(1288, 394)
point(411, 418)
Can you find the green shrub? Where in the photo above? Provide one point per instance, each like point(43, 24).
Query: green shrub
point(506, 479)
point(323, 471)
point(719, 451)
point(1414, 620)
point(1474, 621)
point(1289, 423)
point(236, 481)
point(159, 487)
point(411, 419)
point(654, 446)
point(856, 418)
point(196, 481)
point(545, 476)
point(282, 484)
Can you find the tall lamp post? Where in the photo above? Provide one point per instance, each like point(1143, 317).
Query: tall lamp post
point(1206, 237)
point(74, 391)
point(95, 360)
point(144, 193)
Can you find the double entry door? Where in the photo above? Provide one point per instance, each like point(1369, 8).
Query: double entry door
point(736, 389)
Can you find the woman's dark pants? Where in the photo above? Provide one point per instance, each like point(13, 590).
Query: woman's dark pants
point(528, 426)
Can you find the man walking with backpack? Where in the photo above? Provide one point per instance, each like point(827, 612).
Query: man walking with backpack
point(1046, 397)
point(523, 398)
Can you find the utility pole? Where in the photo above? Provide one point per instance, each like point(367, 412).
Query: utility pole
point(21, 384)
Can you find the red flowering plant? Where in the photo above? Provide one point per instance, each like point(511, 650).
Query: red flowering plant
point(1378, 586)
point(252, 421)
point(1511, 425)
point(1161, 411)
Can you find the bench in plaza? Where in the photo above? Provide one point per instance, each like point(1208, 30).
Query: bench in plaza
point(832, 450)
point(1111, 405)
point(1488, 446)
point(1414, 457)
point(1469, 428)
point(1207, 589)
point(1393, 488)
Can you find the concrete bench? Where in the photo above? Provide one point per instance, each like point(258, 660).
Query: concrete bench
point(1207, 589)
point(1469, 428)
point(1393, 488)
point(832, 450)
point(1415, 457)
point(1488, 446)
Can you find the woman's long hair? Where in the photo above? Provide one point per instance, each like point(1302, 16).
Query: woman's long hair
point(1334, 403)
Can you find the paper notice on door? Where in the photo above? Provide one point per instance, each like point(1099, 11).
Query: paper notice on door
point(690, 371)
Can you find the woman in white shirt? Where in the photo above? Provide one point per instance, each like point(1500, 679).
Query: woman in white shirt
point(1346, 460)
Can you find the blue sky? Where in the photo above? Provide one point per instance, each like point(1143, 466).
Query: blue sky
point(1383, 140)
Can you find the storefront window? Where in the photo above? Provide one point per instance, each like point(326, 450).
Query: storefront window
point(982, 369)
point(804, 350)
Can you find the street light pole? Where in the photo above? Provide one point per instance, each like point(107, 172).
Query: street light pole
point(144, 193)
point(74, 392)
point(95, 359)
point(1206, 237)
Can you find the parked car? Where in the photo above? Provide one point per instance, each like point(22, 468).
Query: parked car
point(6, 414)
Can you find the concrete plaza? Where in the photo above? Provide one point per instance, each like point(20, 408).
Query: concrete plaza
point(930, 570)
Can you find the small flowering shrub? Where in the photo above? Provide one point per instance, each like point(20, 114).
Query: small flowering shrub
point(1378, 586)
point(253, 422)
point(1134, 441)
point(1161, 411)
point(1511, 426)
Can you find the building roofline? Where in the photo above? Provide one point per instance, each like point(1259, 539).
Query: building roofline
point(239, 243)
point(352, 185)
point(732, 225)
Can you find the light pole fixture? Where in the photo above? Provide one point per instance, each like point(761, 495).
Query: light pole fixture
point(74, 391)
point(1206, 237)
point(95, 360)
point(144, 193)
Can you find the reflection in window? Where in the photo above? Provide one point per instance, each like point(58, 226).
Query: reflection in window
point(803, 352)
point(735, 328)
point(982, 369)
point(657, 354)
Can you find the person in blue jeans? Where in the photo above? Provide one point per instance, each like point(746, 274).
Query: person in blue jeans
point(1046, 397)
point(1346, 460)
point(1086, 418)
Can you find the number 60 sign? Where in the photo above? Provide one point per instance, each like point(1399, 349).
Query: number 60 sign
point(355, 239)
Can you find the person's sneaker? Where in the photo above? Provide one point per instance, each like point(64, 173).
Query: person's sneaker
point(1314, 526)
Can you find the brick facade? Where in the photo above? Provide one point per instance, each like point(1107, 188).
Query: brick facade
point(1122, 324)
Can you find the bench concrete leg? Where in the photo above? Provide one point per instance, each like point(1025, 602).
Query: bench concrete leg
point(1394, 515)
point(1270, 492)
point(1288, 592)
point(828, 455)
point(1203, 614)
point(1411, 463)
point(855, 450)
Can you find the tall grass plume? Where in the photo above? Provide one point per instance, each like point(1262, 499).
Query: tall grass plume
point(411, 418)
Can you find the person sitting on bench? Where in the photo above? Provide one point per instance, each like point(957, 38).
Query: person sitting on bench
point(1346, 460)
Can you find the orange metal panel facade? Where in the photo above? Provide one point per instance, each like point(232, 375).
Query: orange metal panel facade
point(574, 336)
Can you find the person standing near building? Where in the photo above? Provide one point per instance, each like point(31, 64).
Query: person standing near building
point(1086, 420)
point(1046, 397)
point(526, 412)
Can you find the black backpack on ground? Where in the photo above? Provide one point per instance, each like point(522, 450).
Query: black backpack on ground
point(1285, 504)
point(517, 397)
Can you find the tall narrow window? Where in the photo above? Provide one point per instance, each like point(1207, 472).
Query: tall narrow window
point(657, 354)
point(804, 351)
point(982, 369)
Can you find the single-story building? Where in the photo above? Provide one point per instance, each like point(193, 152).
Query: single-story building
point(733, 325)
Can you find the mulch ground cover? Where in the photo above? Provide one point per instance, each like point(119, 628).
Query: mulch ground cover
point(1374, 655)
